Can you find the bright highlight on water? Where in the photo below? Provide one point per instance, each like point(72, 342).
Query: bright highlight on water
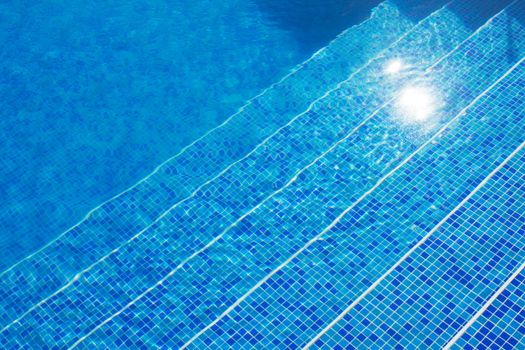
point(394, 66)
point(417, 103)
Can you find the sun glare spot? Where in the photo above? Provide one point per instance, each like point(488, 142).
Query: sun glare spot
point(417, 103)
point(394, 66)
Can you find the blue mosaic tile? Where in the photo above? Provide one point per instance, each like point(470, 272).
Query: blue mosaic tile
point(226, 190)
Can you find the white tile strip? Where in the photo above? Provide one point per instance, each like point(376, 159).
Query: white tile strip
point(217, 238)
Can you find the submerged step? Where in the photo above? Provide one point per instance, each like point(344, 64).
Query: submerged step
point(182, 291)
point(115, 221)
point(447, 279)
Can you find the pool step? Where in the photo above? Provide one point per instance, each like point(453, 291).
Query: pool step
point(289, 308)
point(119, 219)
point(124, 268)
point(445, 281)
point(297, 301)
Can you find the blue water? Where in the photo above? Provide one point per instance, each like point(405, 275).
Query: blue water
point(96, 94)
point(369, 197)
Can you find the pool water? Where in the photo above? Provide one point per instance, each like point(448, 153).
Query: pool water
point(358, 185)
point(96, 94)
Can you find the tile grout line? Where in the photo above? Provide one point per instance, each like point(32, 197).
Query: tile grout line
point(489, 302)
point(313, 240)
point(185, 148)
point(325, 95)
point(415, 247)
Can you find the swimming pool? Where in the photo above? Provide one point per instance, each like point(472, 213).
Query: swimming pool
point(371, 197)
